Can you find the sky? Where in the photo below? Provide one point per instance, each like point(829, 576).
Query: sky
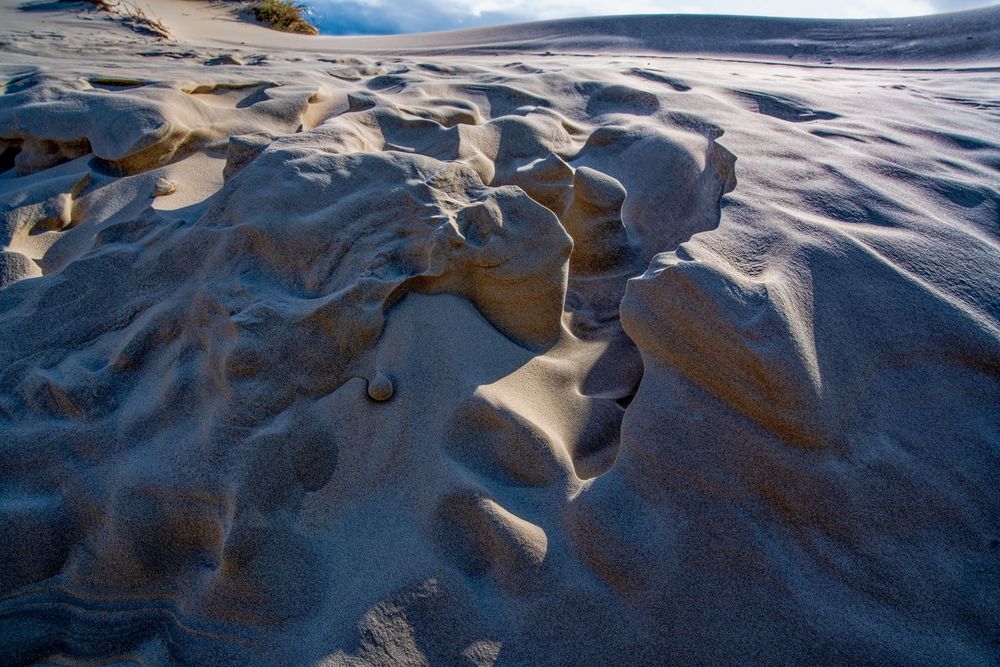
point(359, 17)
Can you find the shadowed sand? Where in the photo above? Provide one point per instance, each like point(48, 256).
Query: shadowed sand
point(679, 344)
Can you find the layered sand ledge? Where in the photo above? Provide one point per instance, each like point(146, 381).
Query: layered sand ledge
point(396, 352)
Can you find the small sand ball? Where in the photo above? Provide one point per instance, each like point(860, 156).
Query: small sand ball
point(380, 387)
point(164, 187)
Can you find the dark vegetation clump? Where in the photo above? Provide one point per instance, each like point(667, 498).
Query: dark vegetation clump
point(282, 15)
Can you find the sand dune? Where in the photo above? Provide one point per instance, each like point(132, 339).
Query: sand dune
point(661, 348)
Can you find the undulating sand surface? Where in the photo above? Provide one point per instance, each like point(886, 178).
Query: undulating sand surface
point(636, 341)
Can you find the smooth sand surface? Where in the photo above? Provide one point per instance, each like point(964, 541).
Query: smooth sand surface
point(657, 340)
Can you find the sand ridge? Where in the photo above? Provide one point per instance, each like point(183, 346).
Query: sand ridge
point(452, 359)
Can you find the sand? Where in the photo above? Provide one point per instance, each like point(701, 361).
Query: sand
point(660, 340)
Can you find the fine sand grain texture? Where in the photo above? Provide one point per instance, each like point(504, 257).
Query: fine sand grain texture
point(660, 340)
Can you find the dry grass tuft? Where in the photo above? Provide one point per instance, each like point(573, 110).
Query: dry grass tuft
point(133, 16)
point(283, 15)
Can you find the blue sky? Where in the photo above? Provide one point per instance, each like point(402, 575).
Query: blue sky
point(396, 16)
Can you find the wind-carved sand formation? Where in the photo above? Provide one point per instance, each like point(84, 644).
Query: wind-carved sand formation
point(458, 359)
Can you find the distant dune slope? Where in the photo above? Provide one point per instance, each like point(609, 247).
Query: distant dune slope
point(959, 37)
point(969, 37)
point(316, 357)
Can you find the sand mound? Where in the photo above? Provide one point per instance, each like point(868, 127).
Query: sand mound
point(451, 361)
